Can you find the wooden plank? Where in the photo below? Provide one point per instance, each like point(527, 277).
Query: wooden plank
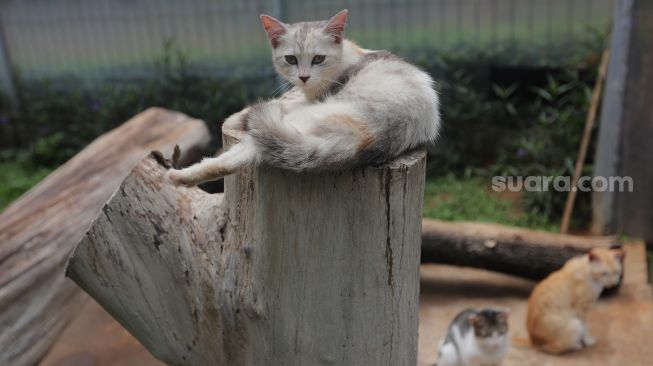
point(40, 229)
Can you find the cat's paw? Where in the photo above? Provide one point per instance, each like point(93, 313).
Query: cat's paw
point(174, 177)
point(589, 341)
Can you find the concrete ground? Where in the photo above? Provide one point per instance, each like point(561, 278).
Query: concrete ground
point(623, 323)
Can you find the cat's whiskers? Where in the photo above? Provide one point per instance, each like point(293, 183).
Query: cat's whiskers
point(282, 88)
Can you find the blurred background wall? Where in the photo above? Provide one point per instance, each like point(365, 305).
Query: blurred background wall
point(98, 40)
point(514, 78)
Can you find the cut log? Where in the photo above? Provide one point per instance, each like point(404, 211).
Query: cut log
point(281, 269)
point(521, 252)
point(40, 229)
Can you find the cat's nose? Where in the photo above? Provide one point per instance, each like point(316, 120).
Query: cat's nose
point(304, 78)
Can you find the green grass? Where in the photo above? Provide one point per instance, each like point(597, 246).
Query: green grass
point(16, 179)
point(469, 199)
point(446, 198)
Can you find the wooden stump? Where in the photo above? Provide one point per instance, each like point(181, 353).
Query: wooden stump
point(281, 269)
point(40, 229)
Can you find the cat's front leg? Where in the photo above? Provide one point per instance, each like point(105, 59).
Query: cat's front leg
point(587, 340)
point(243, 153)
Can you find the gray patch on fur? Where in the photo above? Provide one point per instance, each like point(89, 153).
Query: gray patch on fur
point(344, 78)
point(461, 321)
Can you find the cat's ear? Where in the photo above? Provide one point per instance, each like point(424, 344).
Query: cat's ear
point(336, 26)
point(593, 256)
point(472, 319)
point(619, 254)
point(274, 28)
point(503, 314)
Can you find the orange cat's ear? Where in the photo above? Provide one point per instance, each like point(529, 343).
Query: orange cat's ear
point(336, 26)
point(593, 256)
point(274, 28)
point(619, 254)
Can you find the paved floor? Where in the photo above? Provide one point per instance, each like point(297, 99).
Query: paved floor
point(623, 324)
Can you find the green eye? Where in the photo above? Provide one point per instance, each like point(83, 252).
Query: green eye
point(318, 59)
point(291, 59)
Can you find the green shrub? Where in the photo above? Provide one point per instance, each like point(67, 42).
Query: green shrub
point(518, 128)
point(53, 121)
point(490, 126)
point(16, 178)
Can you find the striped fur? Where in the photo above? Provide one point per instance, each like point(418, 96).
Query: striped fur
point(358, 107)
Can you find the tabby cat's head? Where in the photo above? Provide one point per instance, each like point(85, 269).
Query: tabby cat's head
point(490, 327)
point(307, 54)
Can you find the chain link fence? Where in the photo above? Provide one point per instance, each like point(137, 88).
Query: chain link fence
point(96, 40)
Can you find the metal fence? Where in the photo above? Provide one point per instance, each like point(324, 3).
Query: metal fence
point(96, 39)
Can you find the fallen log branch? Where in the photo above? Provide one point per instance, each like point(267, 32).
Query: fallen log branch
point(521, 252)
point(40, 229)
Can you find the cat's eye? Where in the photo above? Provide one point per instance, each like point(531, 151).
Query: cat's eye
point(291, 59)
point(318, 59)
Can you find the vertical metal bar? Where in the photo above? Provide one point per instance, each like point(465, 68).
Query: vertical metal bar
point(378, 23)
point(549, 30)
point(530, 21)
point(280, 10)
point(607, 156)
point(443, 31)
point(477, 21)
point(459, 20)
point(513, 22)
point(7, 69)
point(426, 15)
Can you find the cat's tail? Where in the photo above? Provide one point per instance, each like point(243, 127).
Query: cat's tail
point(209, 169)
point(327, 139)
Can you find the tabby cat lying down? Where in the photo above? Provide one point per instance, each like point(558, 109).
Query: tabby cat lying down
point(348, 107)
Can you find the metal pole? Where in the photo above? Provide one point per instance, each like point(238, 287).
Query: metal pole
point(7, 70)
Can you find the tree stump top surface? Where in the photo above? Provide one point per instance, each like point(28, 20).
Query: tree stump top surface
point(231, 135)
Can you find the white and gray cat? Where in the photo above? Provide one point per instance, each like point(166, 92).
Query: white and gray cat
point(475, 338)
point(349, 107)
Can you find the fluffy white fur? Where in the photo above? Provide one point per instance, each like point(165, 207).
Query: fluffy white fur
point(474, 351)
point(351, 108)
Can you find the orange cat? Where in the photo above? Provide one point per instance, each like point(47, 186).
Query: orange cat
point(558, 306)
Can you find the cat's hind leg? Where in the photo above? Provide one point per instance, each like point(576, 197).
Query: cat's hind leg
point(209, 169)
point(569, 338)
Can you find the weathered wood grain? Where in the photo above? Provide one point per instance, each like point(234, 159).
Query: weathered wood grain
point(281, 269)
point(40, 229)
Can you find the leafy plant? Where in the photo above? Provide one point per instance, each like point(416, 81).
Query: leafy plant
point(491, 126)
